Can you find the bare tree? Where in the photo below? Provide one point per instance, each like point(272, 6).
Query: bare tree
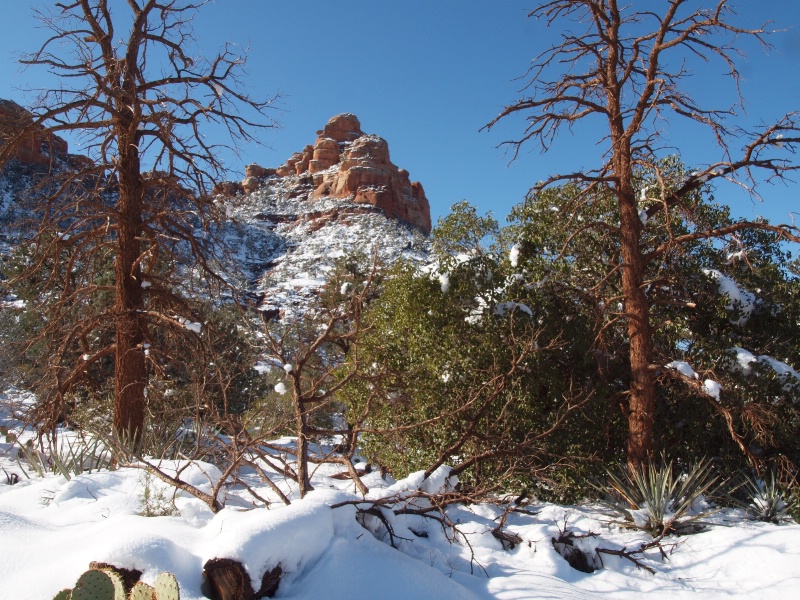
point(320, 355)
point(140, 104)
point(625, 65)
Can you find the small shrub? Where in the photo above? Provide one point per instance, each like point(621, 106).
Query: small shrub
point(766, 500)
point(657, 500)
point(67, 458)
point(155, 502)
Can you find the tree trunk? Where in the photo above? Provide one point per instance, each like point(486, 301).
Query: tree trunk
point(227, 580)
point(301, 422)
point(641, 403)
point(130, 375)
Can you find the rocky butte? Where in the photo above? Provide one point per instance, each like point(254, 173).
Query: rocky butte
point(347, 164)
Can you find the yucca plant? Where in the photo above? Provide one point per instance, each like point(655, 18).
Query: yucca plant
point(67, 458)
point(74, 457)
point(764, 499)
point(660, 501)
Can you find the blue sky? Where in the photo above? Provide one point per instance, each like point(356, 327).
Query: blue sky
point(427, 75)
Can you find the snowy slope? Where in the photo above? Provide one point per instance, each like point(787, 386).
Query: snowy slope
point(287, 243)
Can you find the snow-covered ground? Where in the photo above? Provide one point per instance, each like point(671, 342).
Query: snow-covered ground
point(51, 528)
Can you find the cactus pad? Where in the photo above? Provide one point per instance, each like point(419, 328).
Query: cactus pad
point(63, 595)
point(142, 591)
point(99, 585)
point(166, 587)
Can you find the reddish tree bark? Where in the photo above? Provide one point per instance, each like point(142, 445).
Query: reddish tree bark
point(617, 69)
point(141, 104)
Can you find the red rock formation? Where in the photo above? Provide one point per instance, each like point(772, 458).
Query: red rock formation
point(254, 170)
point(342, 128)
point(326, 154)
point(227, 188)
point(38, 146)
point(365, 174)
point(250, 184)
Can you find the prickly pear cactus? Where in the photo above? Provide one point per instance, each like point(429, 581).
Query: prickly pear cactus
point(105, 584)
point(166, 587)
point(142, 591)
point(99, 585)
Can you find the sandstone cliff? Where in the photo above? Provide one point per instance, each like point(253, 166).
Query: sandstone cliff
point(38, 150)
point(347, 164)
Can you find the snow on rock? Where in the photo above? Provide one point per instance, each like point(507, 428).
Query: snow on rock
point(739, 298)
point(287, 246)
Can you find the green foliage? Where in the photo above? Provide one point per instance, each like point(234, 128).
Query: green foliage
point(35, 460)
point(155, 501)
point(568, 248)
point(765, 499)
point(78, 456)
point(464, 231)
point(64, 456)
point(466, 366)
point(477, 362)
point(660, 499)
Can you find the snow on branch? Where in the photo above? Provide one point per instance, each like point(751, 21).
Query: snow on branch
point(740, 299)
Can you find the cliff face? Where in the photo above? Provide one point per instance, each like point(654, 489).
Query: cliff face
point(287, 226)
point(39, 147)
point(345, 163)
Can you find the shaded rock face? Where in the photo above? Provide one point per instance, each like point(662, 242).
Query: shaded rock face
point(345, 163)
point(38, 147)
